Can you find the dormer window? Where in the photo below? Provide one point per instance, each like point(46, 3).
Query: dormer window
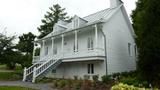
point(75, 23)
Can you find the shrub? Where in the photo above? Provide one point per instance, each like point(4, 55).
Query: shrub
point(86, 77)
point(95, 78)
point(75, 77)
point(134, 81)
point(62, 83)
point(124, 87)
point(106, 79)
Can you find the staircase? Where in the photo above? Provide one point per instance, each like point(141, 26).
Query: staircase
point(37, 70)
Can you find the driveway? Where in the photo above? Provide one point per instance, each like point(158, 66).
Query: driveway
point(26, 84)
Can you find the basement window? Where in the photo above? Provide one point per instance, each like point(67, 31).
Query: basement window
point(130, 49)
point(90, 68)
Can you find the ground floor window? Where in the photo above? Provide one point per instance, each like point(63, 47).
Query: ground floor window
point(90, 68)
point(54, 71)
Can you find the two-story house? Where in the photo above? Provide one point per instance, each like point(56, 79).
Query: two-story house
point(99, 44)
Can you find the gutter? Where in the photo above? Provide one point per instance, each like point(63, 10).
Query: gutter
point(90, 24)
point(105, 46)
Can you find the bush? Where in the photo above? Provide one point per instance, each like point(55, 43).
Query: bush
point(86, 77)
point(95, 78)
point(133, 81)
point(106, 79)
point(124, 87)
point(62, 83)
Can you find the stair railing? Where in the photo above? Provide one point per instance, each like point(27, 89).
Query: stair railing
point(43, 67)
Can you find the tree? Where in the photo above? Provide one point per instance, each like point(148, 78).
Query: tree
point(25, 43)
point(52, 17)
point(147, 27)
point(8, 55)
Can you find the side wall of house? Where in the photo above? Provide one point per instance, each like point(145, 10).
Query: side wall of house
point(118, 36)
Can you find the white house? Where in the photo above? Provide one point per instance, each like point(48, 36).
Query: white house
point(99, 44)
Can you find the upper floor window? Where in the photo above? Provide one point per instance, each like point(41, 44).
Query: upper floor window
point(55, 50)
point(46, 51)
point(129, 49)
point(90, 43)
point(75, 23)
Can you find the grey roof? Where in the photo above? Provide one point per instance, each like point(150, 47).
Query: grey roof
point(100, 15)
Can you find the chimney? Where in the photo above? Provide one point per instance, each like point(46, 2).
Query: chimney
point(115, 3)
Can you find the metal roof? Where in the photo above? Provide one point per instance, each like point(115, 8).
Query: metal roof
point(92, 18)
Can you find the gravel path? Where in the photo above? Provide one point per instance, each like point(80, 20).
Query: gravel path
point(26, 84)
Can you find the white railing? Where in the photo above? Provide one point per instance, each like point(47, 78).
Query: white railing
point(28, 71)
point(79, 53)
point(42, 68)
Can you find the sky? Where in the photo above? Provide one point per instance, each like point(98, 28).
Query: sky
point(23, 16)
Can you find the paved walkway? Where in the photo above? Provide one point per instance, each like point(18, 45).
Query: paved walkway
point(26, 84)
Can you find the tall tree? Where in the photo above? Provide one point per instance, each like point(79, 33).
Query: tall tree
point(56, 12)
point(26, 46)
point(146, 22)
point(8, 55)
point(25, 43)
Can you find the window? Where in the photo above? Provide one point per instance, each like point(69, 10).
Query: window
point(54, 71)
point(75, 23)
point(90, 68)
point(90, 43)
point(54, 50)
point(129, 49)
point(135, 50)
point(46, 51)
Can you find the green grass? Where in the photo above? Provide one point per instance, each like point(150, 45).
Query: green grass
point(10, 76)
point(15, 88)
point(3, 67)
point(15, 75)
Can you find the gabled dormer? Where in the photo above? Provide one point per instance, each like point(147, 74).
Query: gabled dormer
point(77, 21)
point(60, 26)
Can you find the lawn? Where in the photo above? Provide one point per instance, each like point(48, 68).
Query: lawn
point(14, 75)
point(15, 88)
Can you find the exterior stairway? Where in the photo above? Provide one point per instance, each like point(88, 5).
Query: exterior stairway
point(30, 74)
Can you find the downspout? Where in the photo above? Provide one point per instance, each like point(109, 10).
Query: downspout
point(105, 47)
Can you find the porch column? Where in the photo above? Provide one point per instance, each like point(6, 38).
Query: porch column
point(76, 42)
point(96, 36)
point(43, 47)
point(62, 47)
point(52, 45)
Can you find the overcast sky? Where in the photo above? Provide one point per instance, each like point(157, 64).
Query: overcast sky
point(22, 16)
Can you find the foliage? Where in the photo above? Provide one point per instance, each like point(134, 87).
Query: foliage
point(56, 12)
point(125, 87)
point(146, 23)
point(95, 78)
point(14, 88)
point(37, 52)
point(106, 78)
point(134, 81)
point(8, 54)
point(25, 43)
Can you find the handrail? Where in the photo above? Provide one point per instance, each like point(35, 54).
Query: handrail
point(45, 66)
point(30, 69)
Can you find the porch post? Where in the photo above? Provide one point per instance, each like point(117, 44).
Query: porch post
point(62, 47)
point(52, 44)
point(96, 36)
point(76, 42)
